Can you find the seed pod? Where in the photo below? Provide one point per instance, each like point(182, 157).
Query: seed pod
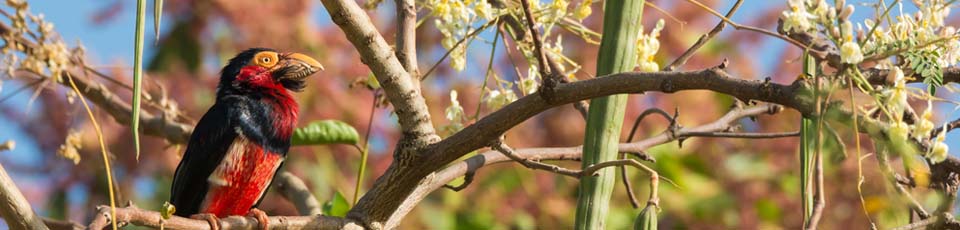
point(647, 220)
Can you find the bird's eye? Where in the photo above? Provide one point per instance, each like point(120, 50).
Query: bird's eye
point(266, 59)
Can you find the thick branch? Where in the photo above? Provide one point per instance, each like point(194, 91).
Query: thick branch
point(716, 79)
point(409, 105)
point(148, 218)
point(398, 182)
point(14, 207)
point(472, 164)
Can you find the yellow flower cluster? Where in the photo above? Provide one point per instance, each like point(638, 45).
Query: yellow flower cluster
point(454, 19)
point(647, 47)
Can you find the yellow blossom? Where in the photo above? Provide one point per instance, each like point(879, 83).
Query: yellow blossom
point(850, 53)
point(583, 10)
point(939, 151)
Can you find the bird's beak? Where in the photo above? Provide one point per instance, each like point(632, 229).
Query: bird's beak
point(296, 66)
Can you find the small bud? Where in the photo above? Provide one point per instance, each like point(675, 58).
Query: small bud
point(894, 76)
point(846, 12)
point(8, 145)
point(167, 210)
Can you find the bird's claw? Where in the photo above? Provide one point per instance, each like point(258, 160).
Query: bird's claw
point(210, 218)
point(262, 219)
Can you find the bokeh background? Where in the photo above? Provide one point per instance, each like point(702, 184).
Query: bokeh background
point(724, 183)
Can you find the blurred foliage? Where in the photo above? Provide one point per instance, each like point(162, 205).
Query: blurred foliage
point(722, 183)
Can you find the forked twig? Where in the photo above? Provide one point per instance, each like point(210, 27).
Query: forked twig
point(702, 40)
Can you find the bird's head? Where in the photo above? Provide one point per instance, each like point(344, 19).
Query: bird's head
point(266, 68)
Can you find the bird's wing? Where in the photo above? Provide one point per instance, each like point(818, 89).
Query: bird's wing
point(211, 138)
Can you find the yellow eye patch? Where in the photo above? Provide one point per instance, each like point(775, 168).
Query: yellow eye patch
point(266, 59)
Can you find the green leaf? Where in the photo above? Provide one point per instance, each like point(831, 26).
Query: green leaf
point(337, 206)
point(157, 13)
point(137, 76)
point(325, 132)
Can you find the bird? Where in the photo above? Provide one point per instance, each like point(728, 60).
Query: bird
point(240, 143)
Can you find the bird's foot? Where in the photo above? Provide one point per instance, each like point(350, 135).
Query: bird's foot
point(210, 218)
point(262, 219)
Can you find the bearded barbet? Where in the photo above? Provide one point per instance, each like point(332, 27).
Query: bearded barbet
point(240, 143)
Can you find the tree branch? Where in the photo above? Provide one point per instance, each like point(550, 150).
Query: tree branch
point(14, 208)
point(943, 221)
point(293, 188)
point(407, 37)
point(379, 203)
point(408, 103)
point(152, 219)
point(471, 165)
point(62, 224)
point(154, 125)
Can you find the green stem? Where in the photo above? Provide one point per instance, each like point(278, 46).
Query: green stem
point(364, 152)
point(486, 76)
point(808, 145)
point(621, 25)
point(363, 168)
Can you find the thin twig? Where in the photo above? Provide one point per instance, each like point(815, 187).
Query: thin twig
point(742, 135)
point(21, 89)
point(507, 151)
point(455, 46)
point(588, 171)
point(624, 177)
point(537, 43)
point(486, 75)
point(819, 199)
point(755, 29)
point(365, 151)
point(887, 170)
point(945, 128)
point(943, 221)
point(703, 40)
point(627, 185)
